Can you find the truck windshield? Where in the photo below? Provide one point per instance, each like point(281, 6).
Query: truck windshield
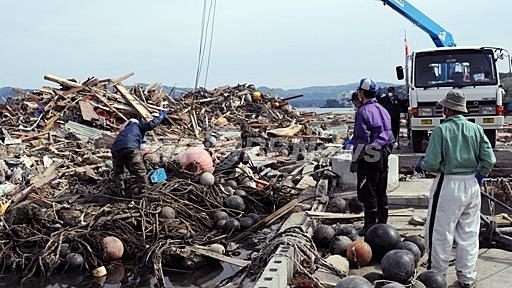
point(454, 68)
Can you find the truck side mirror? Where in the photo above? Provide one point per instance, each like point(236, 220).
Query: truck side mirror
point(400, 72)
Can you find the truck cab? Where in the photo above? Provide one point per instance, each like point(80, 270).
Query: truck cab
point(433, 72)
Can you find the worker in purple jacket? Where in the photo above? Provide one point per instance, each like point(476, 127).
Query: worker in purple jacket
point(372, 139)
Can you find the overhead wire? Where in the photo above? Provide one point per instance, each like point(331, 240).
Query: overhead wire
point(205, 41)
point(207, 28)
point(210, 46)
point(200, 45)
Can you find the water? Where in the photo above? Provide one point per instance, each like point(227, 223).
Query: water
point(319, 110)
point(126, 276)
point(119, 275)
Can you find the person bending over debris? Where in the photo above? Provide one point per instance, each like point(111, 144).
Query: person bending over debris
point(372, 139)
point(462, 154)
point(126, 153)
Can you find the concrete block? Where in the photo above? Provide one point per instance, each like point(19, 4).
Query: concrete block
point(341, 166)
point(279, 270)
point(348, 180)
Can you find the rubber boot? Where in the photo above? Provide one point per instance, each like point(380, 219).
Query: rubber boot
point(382, 218)
point(370, 218)
point(119, 189)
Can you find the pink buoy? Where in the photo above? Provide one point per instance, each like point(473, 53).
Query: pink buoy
point(195, 160)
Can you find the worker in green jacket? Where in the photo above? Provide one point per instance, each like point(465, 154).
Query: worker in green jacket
point(462, 155)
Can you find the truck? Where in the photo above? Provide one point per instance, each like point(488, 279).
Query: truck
point(430, 73)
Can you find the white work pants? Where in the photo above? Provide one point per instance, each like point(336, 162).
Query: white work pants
point(453, 215)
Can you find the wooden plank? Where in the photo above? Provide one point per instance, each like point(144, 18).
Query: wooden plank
point(329, 215)
point(87, 110)
point(268, 220)
point(105, 101)
point(38, 181)
point(63, 82)
point(71, 91)
point(34, 136)
point(7, 110)
point(220, 257)
point(193, 120)
point(151, 87)
point(50, 123)
point(81, 169)
point(122, 78)
point(134, 102)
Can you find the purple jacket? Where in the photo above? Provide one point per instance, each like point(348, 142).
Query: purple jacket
point(373, 125)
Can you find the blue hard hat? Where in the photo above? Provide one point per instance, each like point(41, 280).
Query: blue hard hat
point(367, 84)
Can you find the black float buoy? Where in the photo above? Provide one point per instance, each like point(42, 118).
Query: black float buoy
point(411, 247)
point(246, 223)
point(220, 224)
point(231, 225)
point(255, 217)
point(354, 282)
point(433, 279)
point(373, 276)
point(343, 230)
point(323, 236)
point(418, 284)
point(398, 265)
point(74, 261)
point(382, 238)
point(420, 242)
point(354, 206)
point(235, 202)
point(339, 245)
point(220, 215)
point(337, 205)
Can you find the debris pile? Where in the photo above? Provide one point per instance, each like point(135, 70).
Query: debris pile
point(59, 213)
point(240, 105)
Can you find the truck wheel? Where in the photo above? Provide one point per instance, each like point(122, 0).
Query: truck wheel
point(417, 141)
point(491, 135)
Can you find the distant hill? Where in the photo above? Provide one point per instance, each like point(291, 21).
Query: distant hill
point(315, 96)
point(4, 93)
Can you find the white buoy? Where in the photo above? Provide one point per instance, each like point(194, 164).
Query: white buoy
point(207, 179)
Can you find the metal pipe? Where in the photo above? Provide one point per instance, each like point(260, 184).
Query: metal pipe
point(505, 230)
point(496, 201)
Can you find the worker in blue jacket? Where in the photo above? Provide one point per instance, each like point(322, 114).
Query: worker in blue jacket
point(126, 153)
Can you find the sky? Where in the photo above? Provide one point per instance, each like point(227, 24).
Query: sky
point(275, 43)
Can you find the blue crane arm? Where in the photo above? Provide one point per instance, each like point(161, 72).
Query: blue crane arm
point(439, 35)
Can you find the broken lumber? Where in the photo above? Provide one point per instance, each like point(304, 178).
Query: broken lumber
point(63, 82)
point(122, 78)
point(134, 102)
point(38, 181)
point(206, 252)
point(330, 215)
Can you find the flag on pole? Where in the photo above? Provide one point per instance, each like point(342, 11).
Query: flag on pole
point(406, 46)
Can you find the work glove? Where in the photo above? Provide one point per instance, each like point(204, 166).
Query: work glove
point(417, 166)
point(347, 145)
point(161, 116)
point(479, 178)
